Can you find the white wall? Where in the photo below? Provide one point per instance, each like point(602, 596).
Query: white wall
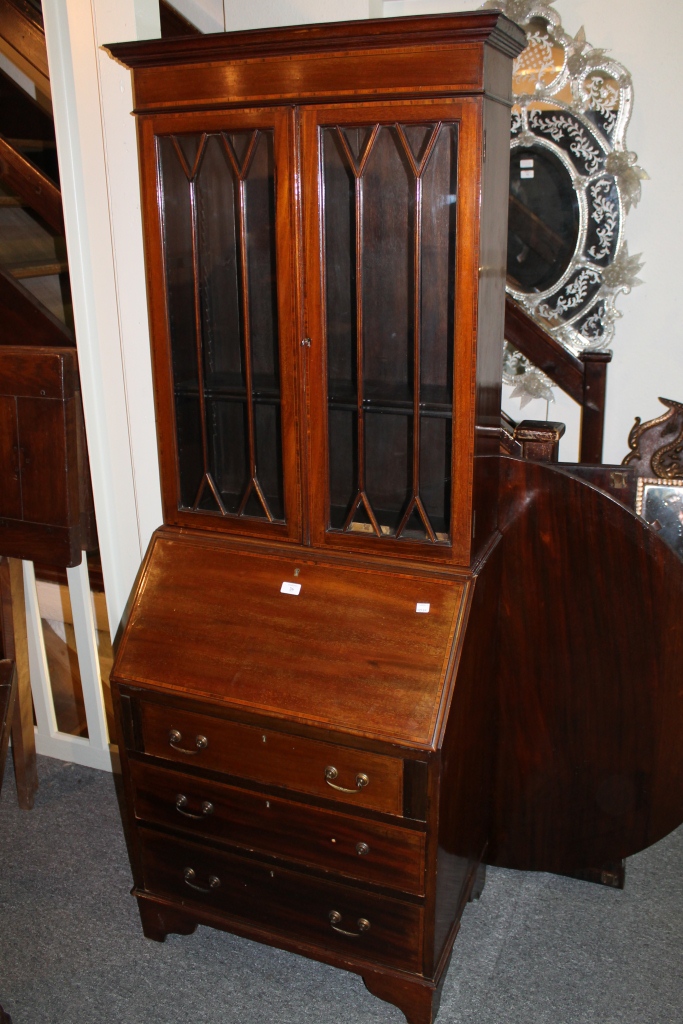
point(234, 15)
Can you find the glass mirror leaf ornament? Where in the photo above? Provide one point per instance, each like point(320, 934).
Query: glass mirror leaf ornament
point(572, 182)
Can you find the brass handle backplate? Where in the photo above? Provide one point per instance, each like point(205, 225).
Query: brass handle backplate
point(331, 773)
point(362, 922)
point(189, 876)
point(181, 803)
point(175, 736)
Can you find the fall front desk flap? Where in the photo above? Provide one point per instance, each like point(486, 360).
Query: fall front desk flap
point(347, 648)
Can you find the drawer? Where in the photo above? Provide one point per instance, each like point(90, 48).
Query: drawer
point(274, 758)
point(366, 850)
point(324, 914)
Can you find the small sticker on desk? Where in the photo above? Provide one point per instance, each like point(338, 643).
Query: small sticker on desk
point(422, 609)
point(292, 588)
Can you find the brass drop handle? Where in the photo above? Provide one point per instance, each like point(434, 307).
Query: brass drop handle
point(332, 773)
point(174, 738)
point(362, 922)
point(189, 876)
point(181, 803)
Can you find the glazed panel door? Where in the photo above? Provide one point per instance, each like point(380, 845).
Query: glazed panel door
point(218, 190)
point(389, 310)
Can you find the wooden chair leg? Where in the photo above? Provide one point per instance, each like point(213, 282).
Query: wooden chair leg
point(15, 643)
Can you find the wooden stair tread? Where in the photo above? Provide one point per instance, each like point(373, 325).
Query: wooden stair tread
point(32, 143)
point(22, 270)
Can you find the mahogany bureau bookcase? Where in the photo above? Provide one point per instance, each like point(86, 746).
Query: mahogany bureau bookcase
point(306, 683)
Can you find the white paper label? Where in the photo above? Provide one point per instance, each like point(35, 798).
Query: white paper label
point(526, 163)
point(422, 609)
point(290, 588)
point(526, 174)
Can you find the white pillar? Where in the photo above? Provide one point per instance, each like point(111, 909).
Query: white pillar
point(98, 166)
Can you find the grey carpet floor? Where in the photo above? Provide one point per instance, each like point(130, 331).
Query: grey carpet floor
point(536, 949)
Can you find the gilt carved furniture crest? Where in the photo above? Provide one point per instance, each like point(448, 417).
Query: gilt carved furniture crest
point(656, 446)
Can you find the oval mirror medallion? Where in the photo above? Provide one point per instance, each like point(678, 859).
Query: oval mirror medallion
point(543, 221)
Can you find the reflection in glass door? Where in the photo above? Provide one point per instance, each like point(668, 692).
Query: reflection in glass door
point(389, 242)
point(219, 244)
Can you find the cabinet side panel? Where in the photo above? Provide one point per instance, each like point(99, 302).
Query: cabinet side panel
point(468, 756)
point(492, 262)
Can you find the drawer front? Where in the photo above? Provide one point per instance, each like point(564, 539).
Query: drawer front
point(381, 929)
point(274, 758)
point(367, 850)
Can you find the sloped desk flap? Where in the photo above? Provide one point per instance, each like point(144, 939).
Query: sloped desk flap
point(349, 651)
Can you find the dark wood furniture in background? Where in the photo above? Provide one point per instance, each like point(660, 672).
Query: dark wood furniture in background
point(656, 446)
point(46, 506)
point(46, 511)
point(353, 666)
point(8, 690)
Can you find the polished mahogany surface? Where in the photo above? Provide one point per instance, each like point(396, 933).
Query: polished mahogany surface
point(349, 652)
point(359, 848)
point(324, 213)
point(273, 757)
point(286, 901)
point(591, 655)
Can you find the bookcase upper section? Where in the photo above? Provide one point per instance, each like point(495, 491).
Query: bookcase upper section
point(322, 209)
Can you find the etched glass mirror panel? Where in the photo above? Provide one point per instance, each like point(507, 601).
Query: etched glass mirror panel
point(389, 250)
point(219, 242)
point(572, 182)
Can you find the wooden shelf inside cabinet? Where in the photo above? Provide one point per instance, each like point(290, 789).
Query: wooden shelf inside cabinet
point(307, 652)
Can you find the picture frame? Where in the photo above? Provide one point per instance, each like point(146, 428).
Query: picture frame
point(660, 503)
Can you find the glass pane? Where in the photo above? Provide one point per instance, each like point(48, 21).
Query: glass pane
point(340, 269)
point(218, 247)
point(343, 464)
point(219, 238)
point(387, 269)
point(388, 440)
point(543, 221)
point(390, 196)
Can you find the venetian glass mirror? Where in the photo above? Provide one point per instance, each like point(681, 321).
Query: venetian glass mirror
point(572, 182)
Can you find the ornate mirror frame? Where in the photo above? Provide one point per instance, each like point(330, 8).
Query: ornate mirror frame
point(573, 105)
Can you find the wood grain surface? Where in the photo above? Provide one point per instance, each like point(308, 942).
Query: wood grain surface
point(390, 856)
point(591, 678)
point(349, 652)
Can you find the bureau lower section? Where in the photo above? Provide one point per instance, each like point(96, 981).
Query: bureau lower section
point(239, 825)
point(288, 902)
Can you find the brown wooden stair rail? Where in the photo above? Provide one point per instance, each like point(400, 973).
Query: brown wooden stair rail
point(21, 28)
point(583, 378)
